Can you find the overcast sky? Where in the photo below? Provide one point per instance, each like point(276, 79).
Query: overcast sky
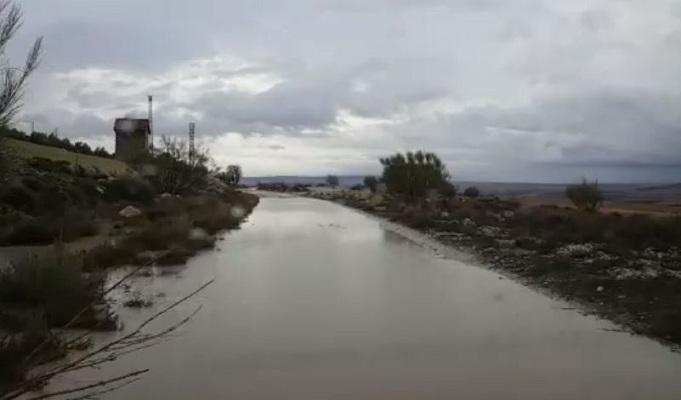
point(522, 90)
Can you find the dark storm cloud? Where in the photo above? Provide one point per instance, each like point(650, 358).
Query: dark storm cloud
point(495, 86)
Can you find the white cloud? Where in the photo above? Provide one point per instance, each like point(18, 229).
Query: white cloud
point(311, 87)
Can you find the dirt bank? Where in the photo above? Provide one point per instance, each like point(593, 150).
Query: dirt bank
point(65, 285)
point(634, 284)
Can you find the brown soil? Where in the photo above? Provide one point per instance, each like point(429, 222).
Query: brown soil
point(624, 268)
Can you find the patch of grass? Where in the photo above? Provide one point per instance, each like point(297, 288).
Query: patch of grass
point(16, 346)
point(160, 235)
point(30, 151)
point(138, 300)
point(55, 286)
point(558, 226)
point(175, 229)
point(108, 255)
point(19, 198)
point(128, 189)
point(221, 216)
point(46, 229)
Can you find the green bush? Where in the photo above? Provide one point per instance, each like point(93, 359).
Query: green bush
point(32, 183)
point(19, 198)
point(585, 196)
point(160, 235)
point(5, 158)
point(45, 164)
point(413, 175)
point(108, 255)
point(471, 191)
point(16, 346)
point(47, 229)
point(622, 234)
point(371, 182)
point(29, 231)
point(232, 176)
point(179, 168)
point(55, 284)
point(128, 189)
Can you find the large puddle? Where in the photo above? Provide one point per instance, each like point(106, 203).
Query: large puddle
point(316, 301)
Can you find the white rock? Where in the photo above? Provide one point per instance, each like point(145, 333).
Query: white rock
point(505, 243)
point(575, 250)
point(508, 214)
point(490, 230)
point(600, 289)
point(198, 234)
point(130, 212)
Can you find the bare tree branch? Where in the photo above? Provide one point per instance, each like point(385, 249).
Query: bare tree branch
point(13, 79)
point(95, 385)
point(93, 395)
point(133, 341)
point(75, 318)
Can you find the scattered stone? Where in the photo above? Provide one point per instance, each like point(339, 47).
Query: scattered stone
point(138, 301)
point(467, 222)
point(198, 234)
point(522, 252)
point(600, 289)
point(508, 214)
point(505, 243)
point(630, 273)
point(490, 231)
point(452, 235)
point(130, 212)
point(575, 250)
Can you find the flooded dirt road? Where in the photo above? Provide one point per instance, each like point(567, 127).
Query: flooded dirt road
point(316, 301)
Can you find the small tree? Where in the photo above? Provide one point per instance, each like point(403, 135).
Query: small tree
point(371, 182)
point(585, 196)
point(332, 180)
point(179, 171)
point(471, 191)
point(412, 175)
point(232, 176)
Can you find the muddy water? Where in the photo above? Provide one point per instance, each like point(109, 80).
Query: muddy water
point(316, 301)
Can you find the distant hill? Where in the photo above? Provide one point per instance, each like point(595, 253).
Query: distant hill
point(670, 187)
point(30, 150)
point(618, 191)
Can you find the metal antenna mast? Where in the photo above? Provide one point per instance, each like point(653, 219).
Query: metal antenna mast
point(151, 122)
point(192, 133)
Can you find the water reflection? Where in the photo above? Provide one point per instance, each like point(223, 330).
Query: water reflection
point(316, 301)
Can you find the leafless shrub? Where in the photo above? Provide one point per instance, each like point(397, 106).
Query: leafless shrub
point(13, 79)
point(586, 196)
point(139, 338)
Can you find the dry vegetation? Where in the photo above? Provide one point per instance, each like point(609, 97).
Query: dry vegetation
point(44, 201)
point(40, 293)
point(625, 267)
point(28, 150)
